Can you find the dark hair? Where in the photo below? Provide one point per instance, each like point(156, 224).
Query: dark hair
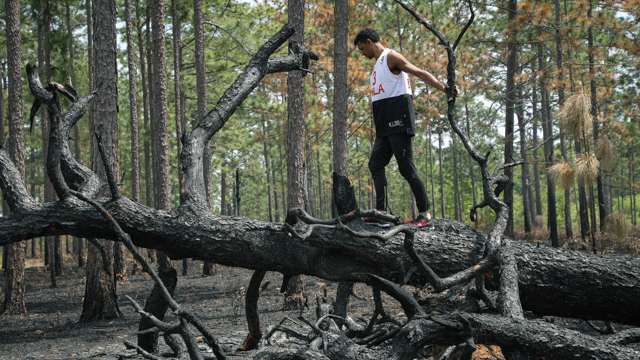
point(366, 33)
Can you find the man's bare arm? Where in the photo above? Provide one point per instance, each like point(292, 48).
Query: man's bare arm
point(396, 62)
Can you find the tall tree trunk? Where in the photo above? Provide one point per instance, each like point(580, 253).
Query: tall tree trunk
point(78, 247)
point(276, 207)
point(456, 191)
point(341, 53)
point(295, 289)
point(145, 70)
point(525, 163)
point(319, 170)
point(602, 209)
point(133, 113)
point(265, 149)
point(179, 103)
point(15, 289)
point(340, 164)
point(5, 207)
point(537, 114)
point(223, 191)
point(471, 171)
point(160, 134)
point(282, 178)
point(49, 193)
point(44, 122)
point(100, 300)
point(201, 91)
point(512, 66)
point(563, 145)
point(442, 201)
point(430, 164)
point(547, 130)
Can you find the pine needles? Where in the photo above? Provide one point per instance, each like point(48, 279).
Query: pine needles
point(586, 169)
point(575, 117)
point(562, 174)
point(604, 153)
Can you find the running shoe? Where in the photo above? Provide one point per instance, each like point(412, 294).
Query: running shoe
point(421, 222)
point(376, 222)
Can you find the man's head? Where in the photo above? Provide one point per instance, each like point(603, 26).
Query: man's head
point(366, 41)
point(366, 33)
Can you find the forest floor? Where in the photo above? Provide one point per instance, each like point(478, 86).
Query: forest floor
point(51, 330)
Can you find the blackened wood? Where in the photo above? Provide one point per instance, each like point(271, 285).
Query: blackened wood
point(534, 337)
point(344, 195)
point(157, 306)
point(251, 311)
point(15, 253)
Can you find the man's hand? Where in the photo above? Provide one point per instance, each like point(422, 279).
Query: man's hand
point(446, 90)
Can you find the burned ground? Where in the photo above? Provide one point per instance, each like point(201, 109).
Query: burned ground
point(50, 329)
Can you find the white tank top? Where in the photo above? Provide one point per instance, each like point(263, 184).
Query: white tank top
point(384, 83)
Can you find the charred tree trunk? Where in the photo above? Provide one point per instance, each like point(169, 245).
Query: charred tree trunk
point(100, 300)
point(136, 192)
point(510, 103)
point(442, 200)
point(160, 135)
point(157, 306)
point(15, 253)
point(294, 290)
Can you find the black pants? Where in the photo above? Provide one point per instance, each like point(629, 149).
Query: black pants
point(398, 145)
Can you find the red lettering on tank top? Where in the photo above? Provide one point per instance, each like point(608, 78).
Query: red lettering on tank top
point(380, 90)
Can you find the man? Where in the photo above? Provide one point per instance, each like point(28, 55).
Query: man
point(394, 120)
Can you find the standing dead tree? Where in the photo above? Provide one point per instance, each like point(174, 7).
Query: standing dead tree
point(543, 280)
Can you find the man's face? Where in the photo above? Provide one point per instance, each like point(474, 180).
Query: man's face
point(366, 48)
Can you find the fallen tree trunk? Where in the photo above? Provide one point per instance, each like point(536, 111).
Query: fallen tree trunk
point(533, 337)
point(552, 281)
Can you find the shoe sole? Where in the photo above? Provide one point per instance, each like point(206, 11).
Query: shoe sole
point(379, 225)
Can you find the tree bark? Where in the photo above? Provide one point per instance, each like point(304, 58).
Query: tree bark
point(547, 131)
point(602, 208)
point(100, 300)
point(15, 253)
point(510, 103)
point(442, 200)
point(160, 134)
point(294, 290)
point(341, 53)
point(456, 190)
point(146, 100)
point(525, 163)
point(136, 192)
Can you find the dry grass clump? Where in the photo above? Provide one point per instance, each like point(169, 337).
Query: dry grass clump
point(604, 153)
point(618, 224)
point(562, 174)
point(586, 169)
point(538, 221)
point(575, 116)
point(575, 243)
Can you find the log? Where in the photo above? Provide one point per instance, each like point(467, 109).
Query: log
point(552, 281)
